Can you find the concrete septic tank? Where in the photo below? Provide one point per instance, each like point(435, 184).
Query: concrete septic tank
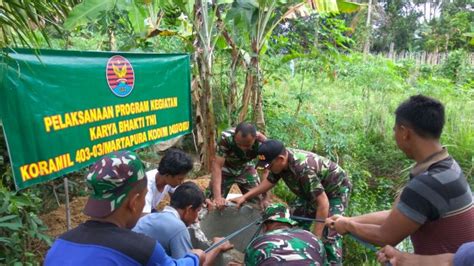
point(223, 223)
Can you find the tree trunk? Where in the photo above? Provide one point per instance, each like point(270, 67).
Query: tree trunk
point(258, 116)
point(204, 66)
point(249, 83)
point(235, 54)
point(209, 120)
point(112, 40)
point(233, 86)
point(369, 30)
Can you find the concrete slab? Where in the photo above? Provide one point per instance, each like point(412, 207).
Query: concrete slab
point(223, 223)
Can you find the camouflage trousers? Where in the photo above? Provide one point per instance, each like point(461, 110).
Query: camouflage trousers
point(332, 241)
point(246, 180)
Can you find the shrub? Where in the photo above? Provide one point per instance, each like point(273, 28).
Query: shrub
point(21, 230)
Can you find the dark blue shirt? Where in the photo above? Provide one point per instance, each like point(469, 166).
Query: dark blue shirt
point(99, 243)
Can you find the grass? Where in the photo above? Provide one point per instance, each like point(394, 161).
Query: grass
point(349, 119)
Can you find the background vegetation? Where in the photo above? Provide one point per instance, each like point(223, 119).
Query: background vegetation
point(298, 69)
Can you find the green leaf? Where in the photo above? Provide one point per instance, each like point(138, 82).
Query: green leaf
point(11, 226)
point(348, 7)
point(221, 2)
point(21, 201)
point(137, 17)
point(221, 43)
point(326, 6)
point(5, 240)
point(8, 217)
point(87, 10)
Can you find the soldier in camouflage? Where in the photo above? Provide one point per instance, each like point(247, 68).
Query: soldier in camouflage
point(235, 162)
point(322, 188)
point(281, 243)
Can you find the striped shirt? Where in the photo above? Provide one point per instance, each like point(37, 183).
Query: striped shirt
point(439, 198)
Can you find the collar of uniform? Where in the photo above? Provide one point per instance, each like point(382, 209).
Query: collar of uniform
point(432, 159)
point(172, 210)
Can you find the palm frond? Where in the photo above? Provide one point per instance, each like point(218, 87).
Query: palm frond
point(23, 23)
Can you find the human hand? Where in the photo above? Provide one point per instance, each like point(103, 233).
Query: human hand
point(201, 254)
point(224, 246)
point(210, 204)
point(338, 223)
point(219, 202)
point(264, 204)
point(333, 218)
point(239, 201)
point(393, 256)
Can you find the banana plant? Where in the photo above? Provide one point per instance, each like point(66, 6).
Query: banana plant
point(26, 23)
point(203, 15)
point(252, 22)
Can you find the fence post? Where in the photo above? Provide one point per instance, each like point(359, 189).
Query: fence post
point(68, 210)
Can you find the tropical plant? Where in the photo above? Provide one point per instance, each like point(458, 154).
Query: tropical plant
point(23, 22)
point(21, 230)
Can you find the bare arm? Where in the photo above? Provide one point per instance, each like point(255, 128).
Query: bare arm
point(322, 212)
point(377, 218)
point(216, 177)
point(211, 256)
point(261, 188)
point(261, 137)
point(266, 195)
point(372, 218)
point(394, 229)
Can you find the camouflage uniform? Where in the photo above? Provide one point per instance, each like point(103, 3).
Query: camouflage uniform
point(288, 246)
point(308, 175)
point(239, 166)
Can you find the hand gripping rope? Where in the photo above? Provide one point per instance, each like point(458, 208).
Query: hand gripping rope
point(357, 239)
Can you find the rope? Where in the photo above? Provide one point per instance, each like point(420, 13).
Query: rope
point(357, 239)
point(215, 245)
point(307, 219)
point(368, 246)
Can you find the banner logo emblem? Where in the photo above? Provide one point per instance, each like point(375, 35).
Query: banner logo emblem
point(120, 76)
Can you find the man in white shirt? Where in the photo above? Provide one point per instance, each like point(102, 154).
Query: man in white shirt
point(171, 172)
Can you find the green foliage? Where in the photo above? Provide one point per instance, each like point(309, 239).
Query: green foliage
point(458, 69)
point(21, 230)
point(349, 119)
point(282, 192)
point(19, 18)
point(334, 103)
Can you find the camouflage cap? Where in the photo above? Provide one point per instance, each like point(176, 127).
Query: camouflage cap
point(111, 178)
point(278, 212)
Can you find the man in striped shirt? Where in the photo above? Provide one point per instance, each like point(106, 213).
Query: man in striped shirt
point(436, 207)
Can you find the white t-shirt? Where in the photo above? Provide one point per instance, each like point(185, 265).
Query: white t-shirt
point(153, 196)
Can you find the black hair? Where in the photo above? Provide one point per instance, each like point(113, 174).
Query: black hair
point(246, 129)
point(187, 194)
point(175, 162)
point(425, 115)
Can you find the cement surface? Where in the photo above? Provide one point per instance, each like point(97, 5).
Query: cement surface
point(223, 223)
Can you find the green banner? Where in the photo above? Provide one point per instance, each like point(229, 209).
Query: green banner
point(62, 110)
